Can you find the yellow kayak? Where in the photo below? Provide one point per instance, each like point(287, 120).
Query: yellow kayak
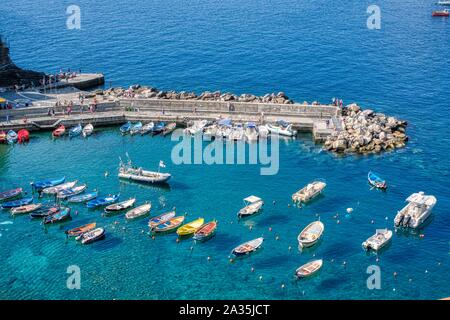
point(191, 227)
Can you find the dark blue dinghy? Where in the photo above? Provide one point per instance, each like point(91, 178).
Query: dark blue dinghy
point(125, 128)
point(375, 180)
point(75, 131)
point(158, 128)
point(84, 197)
point(39, 185)
point(17, 203)
point(62, 215)
point(47, 209)
point(100, 202)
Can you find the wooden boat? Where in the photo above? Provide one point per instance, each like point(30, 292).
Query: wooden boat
point(441, 13)
point(378, 240)
point(153, 222)
point(309, 192)
point(78, 231)
point(169, 225)
point(169, 128)
point(120, 206)
point(60, 187)
point(135, 128)
point(253, 205)
point(60, 131)
point(45, 210)
point(61, 215)
point(17, 203)
point(92, 236)
point(206, 231)
point(309, 269)
point(39, 185)
point(248, 247)
point(375, 180)
point(190, 228)
point(2, 137)
point(311, 234)
point(83, 198)
point(417, 210)
point(66, 193)
point(104, 201)
point(10, 194)
point(158, 128)
point(129, 172)
point(147, 128)
point(23, 136)
point(88, 129)
point(138, 212)
point(125, 128)
point(11, 137)
point(26, 208)
point(76, 131)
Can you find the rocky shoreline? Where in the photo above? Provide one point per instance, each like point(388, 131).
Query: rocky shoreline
point(365, 131)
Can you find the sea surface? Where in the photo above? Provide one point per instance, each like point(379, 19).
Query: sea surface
point(311, 50)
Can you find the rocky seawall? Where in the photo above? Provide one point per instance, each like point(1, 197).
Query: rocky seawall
point(365, 131)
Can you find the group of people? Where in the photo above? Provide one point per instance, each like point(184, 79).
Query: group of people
point(337, 102)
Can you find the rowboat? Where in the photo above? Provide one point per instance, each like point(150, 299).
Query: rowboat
point(2, 137)
point(135, 128)
point(128, 171)
point(417, 210)
point(138, 212)
point(169, 128)
point(248, 247)
point(23, 136)
point(66, 193)
point(190, 228)
point(45, 210)
point(76, 131)
point(125, 128)
point(169, 225)
point(60, 131)
point(47, 183)
point(61, 215)
point(25, 209)
point(92, 236)
point(441, 13)
point(375, 180)
point(60, 187)
point(147, 128)
point(158, 128)
point(253, 205)
point(75, 232)
point(10, 194)
point(309, 192)
point(378, 240)
point(11, 137)
point(100, 202)
point(153, 222)
point(309, 269)
point(206, 231)
point(83, 197)
point(120, 206)
point(17, 203)
point(311, 234)
point(88, 129)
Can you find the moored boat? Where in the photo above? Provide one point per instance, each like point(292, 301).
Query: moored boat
point(59, 187)
point(282, 128)
point(47, 209)
point(138, 212)
point(441, 13)
point(135, 128)
point(23, 136)
point(120, 206)
point(25, 209)
point(309, 269)
point(248, 247)
point(88, 130)
point(75, 232)
point(375, 180)
point(251, 133)
point(196, 128)
point(103, 201)
point(147, 128)
point(70, 192)
point(83, 198)
point(417, 210)
point(309, 192)
point(158, 128)
point(60, 131)
point(10, 194)
point(190, 227)
point(206, 231)
point(169, 225)
point(128, 171)
point(253, 205)
point(169, 128)
point(125, 128)
point(59, 216)
point(39, 185)
point(444, 3)
point(92, 236)
point(17, 203)
point(378, 240)
point(153, 222)
point(311, 234)
point(76, 131)
point(11, 137)
point(2, 137)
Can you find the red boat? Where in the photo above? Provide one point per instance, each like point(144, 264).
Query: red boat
point(58, 132)
point(23, 136)
point(441, 13)
point(2, 137)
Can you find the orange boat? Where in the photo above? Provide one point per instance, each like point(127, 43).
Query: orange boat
point(206, 231)
point(441, 13)
point(75, 232)
point(23, 136)
point(2, 137)
point(58, 132)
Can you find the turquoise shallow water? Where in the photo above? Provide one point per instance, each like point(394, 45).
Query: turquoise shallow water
point(310, 50)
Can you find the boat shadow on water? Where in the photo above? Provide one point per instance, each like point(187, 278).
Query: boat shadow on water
point(380, 251)
point(106, 243)
point(312, 249)
point(145, 185)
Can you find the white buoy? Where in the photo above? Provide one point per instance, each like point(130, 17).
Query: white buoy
point(349, 210)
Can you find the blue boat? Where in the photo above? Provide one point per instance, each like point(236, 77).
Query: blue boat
point(17, 203)
point(62, 215)
point(83, 197)
point(39, 185)
point(100, 202)
point(76, 131)
point(158, 128)
point(136, 128)
point(125, 128)
point(375, 180)
point(47, 209)
point(11, 137)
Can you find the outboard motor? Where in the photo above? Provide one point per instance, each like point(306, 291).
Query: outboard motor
point(398, 221)
point(406, 221)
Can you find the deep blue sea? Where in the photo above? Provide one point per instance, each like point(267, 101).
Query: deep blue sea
point(311, 50)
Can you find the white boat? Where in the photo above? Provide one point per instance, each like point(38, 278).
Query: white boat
point(211, 131)
point(248, 247)
point(309, 269)
point(116, 207)
point(311, 234)
point(253, 205)
point(147, 128)
point(251, 133)
point(309, 192)
point(196, 127)
point(139, 211)
point(87, 130)
point(378, 240)
point(416, 211)
point(66, 193)
point(129, 172)
point(237, 133)
point(60, 187)
point(282, 128)
point(263, 131)
point(444, 3)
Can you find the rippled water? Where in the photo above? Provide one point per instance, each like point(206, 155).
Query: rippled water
point(310, 50)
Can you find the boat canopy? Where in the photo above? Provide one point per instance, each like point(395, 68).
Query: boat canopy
point(252, 199)
point(282, 123)
point(421, 199)
point(251, 125)
point(225, 122)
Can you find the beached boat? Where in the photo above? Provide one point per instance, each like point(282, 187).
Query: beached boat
point(263, 131)
point(62, 215)
point(23, 136)
point(147, 128)
point(251, 133)
point(375, 180)
point(103, 201)
point(60, 131)
point(311, 234)
point(136, 128)
point(76, 131)
point(11, 137)
point(158, 128)
point(309, 269)
point(92, 236)
point(128, 171)
point(248, 247)
point(169, 128)
point(25, 209)
point(125, 128)
point(47, 209)
point(17, 203)
point(417, 210)
point(138, 212)
point(190, 227)
point(309, 192)
point(169, 225)
point(59, 187)
point(441, 13)
point(70, 192)
point(196, 128)
point(39, 185)
point(282, 128)
point(10, 194)
point(78, 231)
point(253, 205)
point(88, 130)
point(378, 240)
point(206, 231)
point(2, 137)
point(120, 206)
point(83, 198)
point(153, 222)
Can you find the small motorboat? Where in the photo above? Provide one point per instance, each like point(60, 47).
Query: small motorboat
point(11, 137)
point(88, 129)
point(237, 134)
point(309, 269)
point(60, 131)
point(104, 201)
point(147, 128)
point(70, 192)
point(125, 128)
point(76, 131)
point(25, 209)
point(40, 185)
point(169, 225)
point(444, 3)
point(10, 194)
point(441, 13)
point(136, 128)
point(83, 198)
point(206, 231)
point(153, 222)
point(311, 234)
point(248, 247)
point(282, 128)
point(309, 192)
point(23, 136)
point(139, 212)
point(2, 137)
point(17, 203)
point(211, 132)
point(120, 206)
point(190, 228)
point(158, 128)
point(253, 205)
point(196, 128)
point(61, 215)
point(92, 236)
point(59, 188)
point(129, 172)
point(169, 128)
point(45, 210)
point(375, 180)
point(78, 231)
point(263, 131)
point(251, 133)
point(378, 240)
point(417, 210)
